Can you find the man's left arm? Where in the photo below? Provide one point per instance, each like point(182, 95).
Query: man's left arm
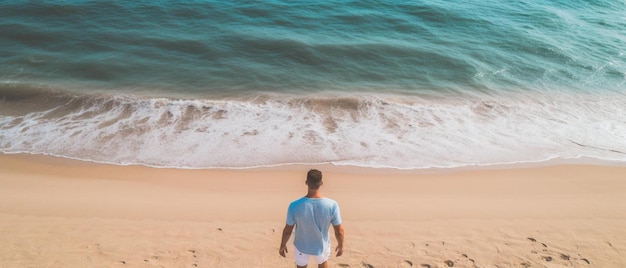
point(283, 243)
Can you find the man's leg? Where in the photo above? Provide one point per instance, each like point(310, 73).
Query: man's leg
point(323, 258)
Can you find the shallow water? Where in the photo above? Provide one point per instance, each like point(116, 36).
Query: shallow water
point(212, 84)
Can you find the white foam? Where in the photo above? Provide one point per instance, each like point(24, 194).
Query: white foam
point(406, 132)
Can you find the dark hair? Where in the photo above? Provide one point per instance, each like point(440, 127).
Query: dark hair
point(314, 178)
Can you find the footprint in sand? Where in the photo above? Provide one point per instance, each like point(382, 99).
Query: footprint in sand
point(449, 263)
point(195, 257)
point(547, 258)
point(193, 253)
point(406, 263)
point(366, 265)
point(425, 265)
point(344, 265)
point(153, 258)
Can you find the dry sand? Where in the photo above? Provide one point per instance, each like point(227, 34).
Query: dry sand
point(63, 213)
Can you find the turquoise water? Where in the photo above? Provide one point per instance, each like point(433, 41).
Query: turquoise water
point(205, 84)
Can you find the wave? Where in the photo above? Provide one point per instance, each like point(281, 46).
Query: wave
point(372, 130)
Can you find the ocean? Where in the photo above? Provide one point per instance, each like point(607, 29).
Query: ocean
point(385, 84)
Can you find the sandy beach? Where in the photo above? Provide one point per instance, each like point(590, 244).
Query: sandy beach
point(64, 213)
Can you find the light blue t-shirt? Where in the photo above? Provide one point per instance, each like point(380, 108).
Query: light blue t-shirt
point(313, 217)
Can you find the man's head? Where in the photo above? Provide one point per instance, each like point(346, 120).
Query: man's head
point(314, 179)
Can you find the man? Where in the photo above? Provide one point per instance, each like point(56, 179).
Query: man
point(312, 216)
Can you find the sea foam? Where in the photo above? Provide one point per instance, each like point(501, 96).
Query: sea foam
point(371, 130)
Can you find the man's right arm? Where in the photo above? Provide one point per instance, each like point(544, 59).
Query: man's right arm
point(339, 236)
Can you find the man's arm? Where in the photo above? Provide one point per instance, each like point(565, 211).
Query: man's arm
point(283, 243)
point(339, 236)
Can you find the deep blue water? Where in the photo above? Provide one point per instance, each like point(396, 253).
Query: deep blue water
point(406, 84)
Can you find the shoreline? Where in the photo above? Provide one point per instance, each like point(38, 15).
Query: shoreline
point(342, 168)
point(57, 212)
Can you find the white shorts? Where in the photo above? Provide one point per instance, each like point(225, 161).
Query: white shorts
point(302, 259)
